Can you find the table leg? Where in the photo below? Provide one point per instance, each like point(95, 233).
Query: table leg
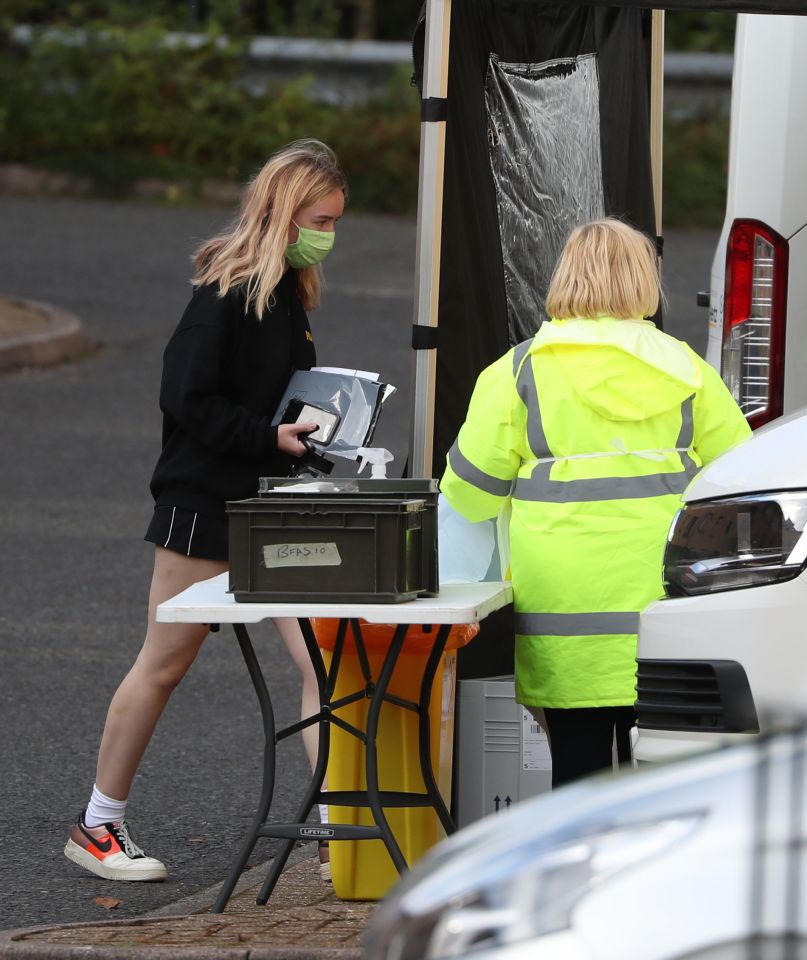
point(371, 753)
point(377, 693)
point(268, 784)
point(424, 729)
point(320, 770)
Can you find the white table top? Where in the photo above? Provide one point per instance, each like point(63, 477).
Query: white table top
point(209, 602)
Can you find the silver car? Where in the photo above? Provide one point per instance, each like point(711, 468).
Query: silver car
point(703, 857)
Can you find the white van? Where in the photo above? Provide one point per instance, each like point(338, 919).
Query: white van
point(727, 646)
point(725, 652)
point(758, 297)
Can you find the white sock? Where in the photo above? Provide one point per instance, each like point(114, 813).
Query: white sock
point(103, 809)
point(323, 810)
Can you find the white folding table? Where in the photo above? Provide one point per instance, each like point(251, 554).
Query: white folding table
point(209, 602)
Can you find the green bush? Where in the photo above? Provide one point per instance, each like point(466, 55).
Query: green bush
point(123, 106)
point(379, 146)
point(381, 19)
point(387, 19)
point(695, 171)
point(694, 30)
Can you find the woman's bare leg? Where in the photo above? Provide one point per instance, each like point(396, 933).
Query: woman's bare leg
point(292, 636)
point(168, 651)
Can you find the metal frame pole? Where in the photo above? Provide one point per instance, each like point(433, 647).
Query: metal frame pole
point(657, 113)
point(429, 228)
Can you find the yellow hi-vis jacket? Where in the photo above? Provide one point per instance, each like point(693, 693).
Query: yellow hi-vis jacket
point(592, 429)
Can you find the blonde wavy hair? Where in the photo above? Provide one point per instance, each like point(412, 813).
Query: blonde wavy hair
point(251, 252)
point(607, 269)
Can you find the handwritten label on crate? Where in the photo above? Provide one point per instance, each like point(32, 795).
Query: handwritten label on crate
point(301, 555)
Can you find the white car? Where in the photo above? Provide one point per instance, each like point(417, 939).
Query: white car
point(758, 297)
point(727, 648)
point(682, 860)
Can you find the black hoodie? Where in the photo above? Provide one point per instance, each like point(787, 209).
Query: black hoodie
point(224, 373)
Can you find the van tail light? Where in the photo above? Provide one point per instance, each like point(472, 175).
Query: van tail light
point(754, 315)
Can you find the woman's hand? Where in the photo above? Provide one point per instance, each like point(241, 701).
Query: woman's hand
point(288, 437)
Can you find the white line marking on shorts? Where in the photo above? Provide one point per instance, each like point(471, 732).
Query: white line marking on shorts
point(193, 527)
point(170, 529)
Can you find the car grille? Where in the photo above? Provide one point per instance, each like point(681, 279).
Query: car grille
point(708, 695)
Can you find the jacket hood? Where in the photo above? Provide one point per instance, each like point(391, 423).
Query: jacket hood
point(622, 369)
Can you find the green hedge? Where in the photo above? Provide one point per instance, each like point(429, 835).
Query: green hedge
point(380, 19)
point(695, 171)
point(696, 30)
point(124, 107)
point(347, 19)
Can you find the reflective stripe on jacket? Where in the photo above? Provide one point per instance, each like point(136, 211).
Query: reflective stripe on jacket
point(592, 429)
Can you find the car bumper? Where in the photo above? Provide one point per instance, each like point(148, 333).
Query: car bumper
point(760, 630)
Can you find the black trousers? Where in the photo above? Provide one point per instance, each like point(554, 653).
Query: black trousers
point(581, 739)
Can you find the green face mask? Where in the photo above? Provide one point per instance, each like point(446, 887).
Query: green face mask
point(310, 247)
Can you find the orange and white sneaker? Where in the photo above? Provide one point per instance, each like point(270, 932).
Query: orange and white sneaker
point(110, 852)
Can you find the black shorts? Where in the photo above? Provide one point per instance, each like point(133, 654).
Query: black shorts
point(189, 533)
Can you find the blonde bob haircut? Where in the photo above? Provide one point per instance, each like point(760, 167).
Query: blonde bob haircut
point(251, 252)
point(607, 269)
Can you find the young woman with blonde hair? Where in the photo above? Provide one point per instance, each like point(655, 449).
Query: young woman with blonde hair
point(591, 431)
point(225, 368)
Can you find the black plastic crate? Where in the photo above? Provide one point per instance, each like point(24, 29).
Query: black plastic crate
point(388, 488)
point(323, 548)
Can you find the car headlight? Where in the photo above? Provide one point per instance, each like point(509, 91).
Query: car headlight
point(736, 542)
point(516, 894)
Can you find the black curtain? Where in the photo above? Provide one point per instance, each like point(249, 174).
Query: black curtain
point(472, 306)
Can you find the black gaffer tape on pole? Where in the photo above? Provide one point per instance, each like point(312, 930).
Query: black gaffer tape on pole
point(433, 109)
point(424, 337)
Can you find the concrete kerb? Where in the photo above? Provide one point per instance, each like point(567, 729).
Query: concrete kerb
point(19, 180)
point(60, 337)
point(76, 951)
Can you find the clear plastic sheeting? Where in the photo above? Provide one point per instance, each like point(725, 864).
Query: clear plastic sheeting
point(344, 406)
point(470, 552)
point(544, 142)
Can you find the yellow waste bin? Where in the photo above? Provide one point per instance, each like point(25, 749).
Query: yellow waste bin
point(362, 869)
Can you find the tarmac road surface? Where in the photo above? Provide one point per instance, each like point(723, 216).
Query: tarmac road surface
point(79, 442)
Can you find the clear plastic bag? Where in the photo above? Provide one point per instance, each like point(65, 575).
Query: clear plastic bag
point(347, 407)
point(544, 143)
point(472, 552)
